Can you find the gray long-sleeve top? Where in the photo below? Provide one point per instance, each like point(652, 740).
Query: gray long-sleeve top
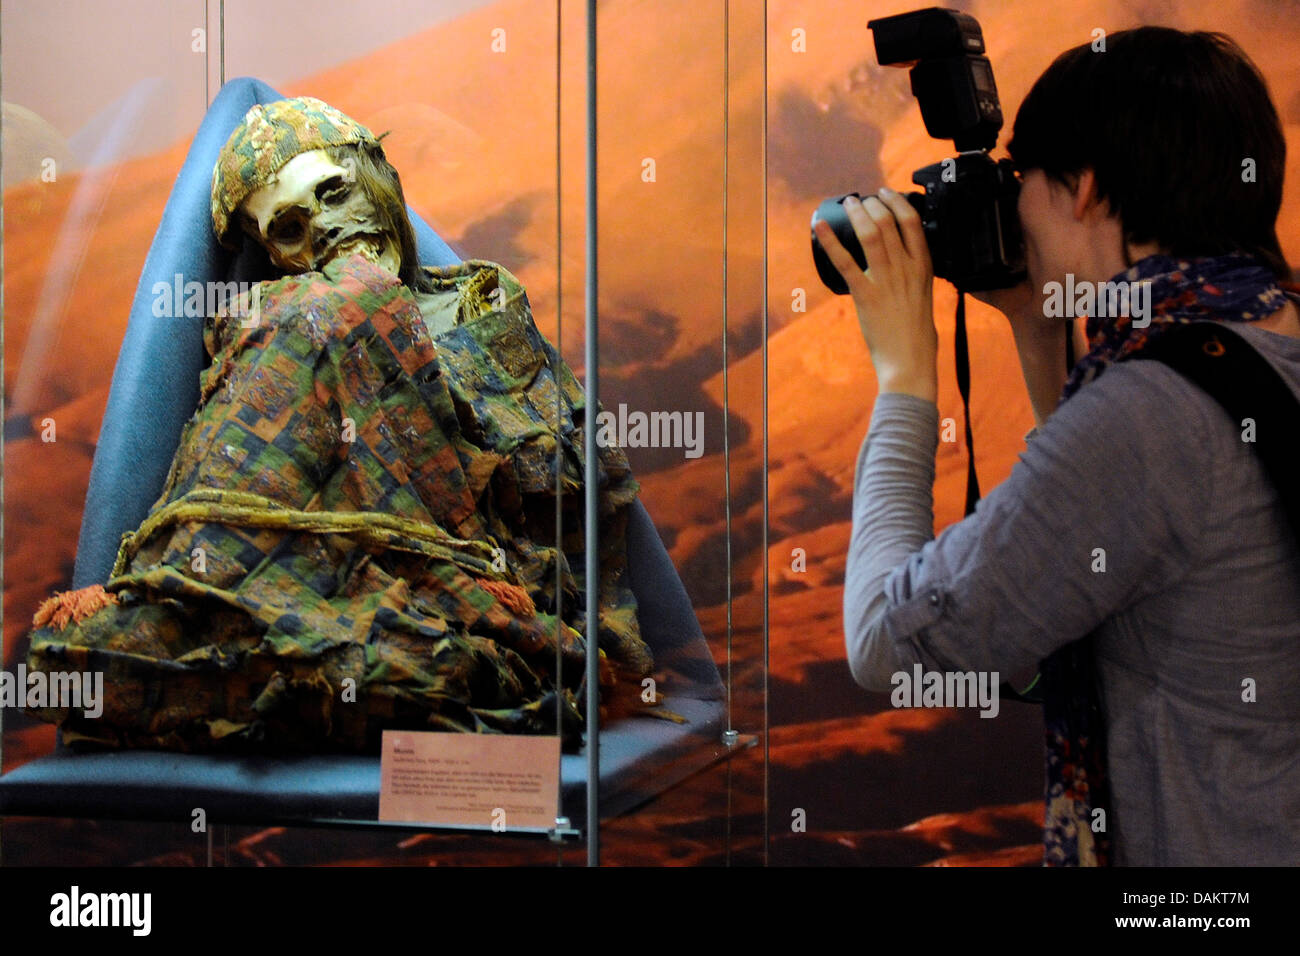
point(1197, 610)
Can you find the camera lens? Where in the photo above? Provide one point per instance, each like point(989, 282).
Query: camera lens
point(833, 212)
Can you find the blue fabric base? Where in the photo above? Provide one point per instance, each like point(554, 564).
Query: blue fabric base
point(154, 392)
point(636, 755)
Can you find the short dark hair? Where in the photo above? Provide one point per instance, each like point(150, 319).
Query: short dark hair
point(1166, 120)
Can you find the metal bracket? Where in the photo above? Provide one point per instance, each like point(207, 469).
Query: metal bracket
point(563, 831)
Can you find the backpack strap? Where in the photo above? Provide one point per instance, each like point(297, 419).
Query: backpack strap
point(1225, 366)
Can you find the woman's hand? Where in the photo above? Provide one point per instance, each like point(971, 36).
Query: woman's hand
point(894, 295)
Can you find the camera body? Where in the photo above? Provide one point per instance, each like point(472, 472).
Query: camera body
point(968, 207)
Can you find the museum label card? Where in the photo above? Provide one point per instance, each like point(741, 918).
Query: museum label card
point(504, 782)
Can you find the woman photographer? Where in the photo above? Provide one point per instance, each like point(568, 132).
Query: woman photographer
point(1139, 549)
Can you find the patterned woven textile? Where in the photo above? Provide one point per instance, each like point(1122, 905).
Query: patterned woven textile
point(358, 532)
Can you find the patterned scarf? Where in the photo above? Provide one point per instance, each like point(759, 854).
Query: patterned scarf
point(1232, 288)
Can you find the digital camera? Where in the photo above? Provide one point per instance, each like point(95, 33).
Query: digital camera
point(968, 208)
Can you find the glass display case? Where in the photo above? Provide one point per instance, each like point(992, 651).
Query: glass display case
point(482, 108)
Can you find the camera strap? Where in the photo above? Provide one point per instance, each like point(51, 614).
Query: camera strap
point(962, 356)
point(963, 386)
point(1026, 696)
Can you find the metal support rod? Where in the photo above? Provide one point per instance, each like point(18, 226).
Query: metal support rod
point(726, 382)
point(730, 735)
point(557, 373)
point(223, 43)
point(767, 660)
point(590, 471)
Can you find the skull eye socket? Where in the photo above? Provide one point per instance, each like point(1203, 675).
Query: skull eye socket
point(333, 191)
point(287, 230)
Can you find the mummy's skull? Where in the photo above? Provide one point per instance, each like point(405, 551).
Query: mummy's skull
point(312, 211)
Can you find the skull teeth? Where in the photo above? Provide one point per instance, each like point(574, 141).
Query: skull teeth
point(366, 247)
